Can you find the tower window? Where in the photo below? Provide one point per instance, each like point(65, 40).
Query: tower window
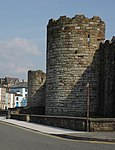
point(88, 40)
point(76, 51)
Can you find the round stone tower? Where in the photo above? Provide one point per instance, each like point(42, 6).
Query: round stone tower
point(36, 92)
point(72, 64)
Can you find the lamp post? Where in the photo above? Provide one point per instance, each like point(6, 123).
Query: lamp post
point(88, 109)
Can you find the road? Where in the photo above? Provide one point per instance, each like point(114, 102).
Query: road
point(15, 138)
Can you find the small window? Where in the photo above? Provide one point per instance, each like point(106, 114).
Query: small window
point(41, 79)
point(80, 56)
point(17, 104)
point(88, 40)
point(76, 51)
point(17, 98)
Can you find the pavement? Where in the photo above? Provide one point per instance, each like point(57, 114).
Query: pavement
point(64, 133)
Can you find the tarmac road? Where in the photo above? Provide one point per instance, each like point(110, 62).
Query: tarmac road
point(16, 138)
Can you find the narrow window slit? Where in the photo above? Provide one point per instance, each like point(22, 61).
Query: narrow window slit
point(88, 40)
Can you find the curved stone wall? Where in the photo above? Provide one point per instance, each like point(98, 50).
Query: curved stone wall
point(72, 63)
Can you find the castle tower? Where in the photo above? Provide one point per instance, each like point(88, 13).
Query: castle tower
point(72, 60)
point(36, 88)
point(107, 79)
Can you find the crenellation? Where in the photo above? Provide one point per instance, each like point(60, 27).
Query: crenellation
point(77, 22)
point(113, 39)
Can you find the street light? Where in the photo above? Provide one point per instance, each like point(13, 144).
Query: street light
point(88, 102)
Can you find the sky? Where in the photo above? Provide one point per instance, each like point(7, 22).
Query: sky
point(23, 25)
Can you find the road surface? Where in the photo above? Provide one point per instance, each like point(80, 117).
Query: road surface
point(16, 138)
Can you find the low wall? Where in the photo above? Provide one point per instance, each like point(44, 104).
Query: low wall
point(56, 121)
point(102, 124)
point(21, 117)
point(3, 112)
point(74, 123)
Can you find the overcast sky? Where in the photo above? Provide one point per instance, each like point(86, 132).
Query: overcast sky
point(23, 29)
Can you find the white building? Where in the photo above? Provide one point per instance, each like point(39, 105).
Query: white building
point(10, 100)
point(2, 97)
point(20, 91)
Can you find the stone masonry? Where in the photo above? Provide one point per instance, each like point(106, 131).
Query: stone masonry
point(107, 79)
point(77, 56)
point(72, 64)
point(36, 88)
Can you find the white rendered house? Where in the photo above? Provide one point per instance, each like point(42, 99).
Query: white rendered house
point(20, 91)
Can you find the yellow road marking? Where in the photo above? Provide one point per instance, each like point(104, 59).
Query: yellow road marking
point(57, 137)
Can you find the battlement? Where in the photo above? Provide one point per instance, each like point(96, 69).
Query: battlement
point(108, 42)
point(78, 19)
point(113, 39)
point(79, 24)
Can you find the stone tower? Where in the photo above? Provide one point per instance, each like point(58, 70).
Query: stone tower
point(72, 64)
point(36, 88)
point(107, 79)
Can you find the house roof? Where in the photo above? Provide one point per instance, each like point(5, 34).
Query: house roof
point(20, 85)
point(11, 81)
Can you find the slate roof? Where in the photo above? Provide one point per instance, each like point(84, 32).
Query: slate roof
point(20, 85)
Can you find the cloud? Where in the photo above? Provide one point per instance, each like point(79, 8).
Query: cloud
point(17, 56)
point(19, 44)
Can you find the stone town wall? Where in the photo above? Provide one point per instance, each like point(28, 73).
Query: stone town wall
point(74, 123)
point(36, 88)
point(102, 124)
point(72, 62)
point(107, 79)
